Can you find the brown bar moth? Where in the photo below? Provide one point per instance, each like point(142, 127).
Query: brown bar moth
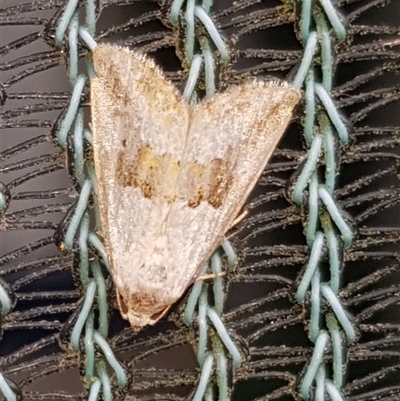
point(171, 176)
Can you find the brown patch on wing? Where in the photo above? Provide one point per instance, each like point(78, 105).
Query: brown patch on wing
point(208, 183)
point(109, 74)
point(142, 304)
point(146, 304)
point(156, 176)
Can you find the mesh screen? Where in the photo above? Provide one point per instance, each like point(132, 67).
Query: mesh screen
point(40, 291)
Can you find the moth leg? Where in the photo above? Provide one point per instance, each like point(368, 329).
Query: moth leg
point(239, 218)
point(210, 276)
point(236, 222)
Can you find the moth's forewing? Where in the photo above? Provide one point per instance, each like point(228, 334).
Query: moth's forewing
point(172, 178)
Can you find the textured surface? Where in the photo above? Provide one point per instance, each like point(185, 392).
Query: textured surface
point(260, 306)
point(172, 177)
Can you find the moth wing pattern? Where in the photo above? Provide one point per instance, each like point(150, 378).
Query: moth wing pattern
point(172, 177)
point(140, 125)
point(230, 140)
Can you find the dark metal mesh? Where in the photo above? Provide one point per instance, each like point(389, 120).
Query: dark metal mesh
point(261, 314)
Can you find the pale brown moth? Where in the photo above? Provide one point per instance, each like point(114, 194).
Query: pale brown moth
point(171, 176)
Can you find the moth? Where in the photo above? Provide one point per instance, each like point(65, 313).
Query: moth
point(171, 176)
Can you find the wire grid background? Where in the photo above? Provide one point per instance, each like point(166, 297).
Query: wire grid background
point(262, 315)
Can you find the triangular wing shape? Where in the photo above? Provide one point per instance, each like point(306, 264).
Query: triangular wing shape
point(171, 178)
point(230, 140)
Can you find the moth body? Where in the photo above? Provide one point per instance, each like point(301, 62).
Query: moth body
point(172, 177)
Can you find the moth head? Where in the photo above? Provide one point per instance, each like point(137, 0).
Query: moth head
point(141, 309)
